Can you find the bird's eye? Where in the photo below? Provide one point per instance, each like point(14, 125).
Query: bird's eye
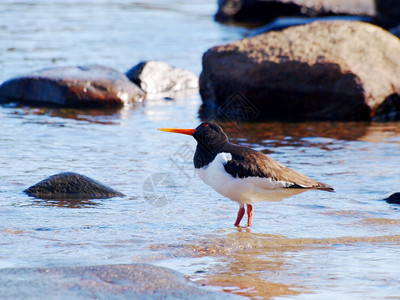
point(205, 124)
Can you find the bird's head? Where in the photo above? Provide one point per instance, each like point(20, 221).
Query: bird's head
point(208, 135)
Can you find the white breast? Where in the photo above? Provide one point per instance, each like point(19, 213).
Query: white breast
point(243, 190)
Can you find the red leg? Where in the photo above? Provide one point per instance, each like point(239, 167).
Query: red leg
point(249, 214)
point(239, 215)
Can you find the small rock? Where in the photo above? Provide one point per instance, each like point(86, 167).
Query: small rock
point(87, 86)
point(393, 199)
point(158, 77)
point(267, 10)
point(322, 70)
point(71, 185)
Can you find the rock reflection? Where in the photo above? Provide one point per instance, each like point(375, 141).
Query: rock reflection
point(322, 135)
point(294, 132)
point(106, 116)
point(69, 202)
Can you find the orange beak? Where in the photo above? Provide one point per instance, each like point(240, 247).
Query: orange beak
point(176, 130)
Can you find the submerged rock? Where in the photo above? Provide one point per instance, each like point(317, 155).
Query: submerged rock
point(71, 185)
point(267, 10)
point(325, 70)
point(87, 86)
point(393, 199)
point(134, 281)
point(155, 77)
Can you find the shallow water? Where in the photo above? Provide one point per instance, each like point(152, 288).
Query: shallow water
point(316, 245)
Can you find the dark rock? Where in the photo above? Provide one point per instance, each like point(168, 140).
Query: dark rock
point(388, 12)
point(88, 86)
point(388, 110)
point(71, 185)
point(323, 70)
point(396, 31)
point(283, 23)
point(158, 77)
point(134, 281)
point(254, 10)
point(267, 10)
point(393, 199)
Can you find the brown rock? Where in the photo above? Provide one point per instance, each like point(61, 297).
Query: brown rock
point(324, 70)
point(267, 10)
point(87, 86)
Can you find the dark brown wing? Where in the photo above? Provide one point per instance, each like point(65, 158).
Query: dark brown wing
point(247, 162)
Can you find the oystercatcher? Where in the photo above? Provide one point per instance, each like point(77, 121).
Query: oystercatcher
point(242, 174)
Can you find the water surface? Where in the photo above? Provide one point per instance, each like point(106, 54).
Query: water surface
point(316, 245)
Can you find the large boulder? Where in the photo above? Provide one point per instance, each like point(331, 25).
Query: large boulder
point(88, 86)
point(324, 70)
point(156, 77)
point(69, 185)
point(267, 10)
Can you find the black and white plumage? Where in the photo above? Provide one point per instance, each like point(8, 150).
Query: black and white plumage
point(242, 174)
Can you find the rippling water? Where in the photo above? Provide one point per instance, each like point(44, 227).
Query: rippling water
point(315, 245)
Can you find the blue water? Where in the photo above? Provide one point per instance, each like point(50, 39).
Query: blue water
point(315, 245)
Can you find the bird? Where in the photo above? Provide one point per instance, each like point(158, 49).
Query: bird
point(242, 174)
